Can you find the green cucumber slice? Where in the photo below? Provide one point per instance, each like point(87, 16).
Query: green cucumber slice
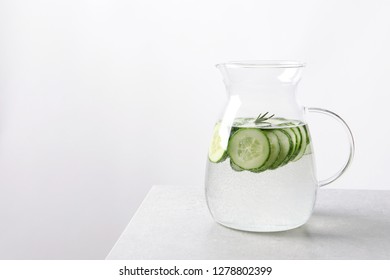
point(216, 152)
point(298, 135)
point(285, 144)
point(304, 143)
point(242, 121)
point(293, 147)
point(275, 151)
point(235, 167)
point(308, 149)
point(249, 148)
point(277, 121)
point(307, 134)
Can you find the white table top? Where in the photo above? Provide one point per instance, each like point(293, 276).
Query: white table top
point(173, 222)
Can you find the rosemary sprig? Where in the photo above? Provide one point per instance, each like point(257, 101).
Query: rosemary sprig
point(262, 118)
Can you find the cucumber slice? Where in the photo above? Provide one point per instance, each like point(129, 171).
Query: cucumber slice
point(216, 152)
point(293, 137)
point(307, 134)
point(285, 144)
point(242, 121)
point(304, 143)
point(298, 135)
point(308, 149)
point(235, 167)
point(277, 121)
point(233, 130)
point(275, 151)
point(249, 148)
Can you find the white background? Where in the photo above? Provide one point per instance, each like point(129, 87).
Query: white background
point(101, 99)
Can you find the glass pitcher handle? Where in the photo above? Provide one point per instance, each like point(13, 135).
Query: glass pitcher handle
point(351, 144)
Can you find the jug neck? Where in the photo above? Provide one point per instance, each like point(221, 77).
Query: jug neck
point(269, 91)
point(254, 78)
point(262, 86)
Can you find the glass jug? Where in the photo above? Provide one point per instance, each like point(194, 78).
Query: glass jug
point(261, 173)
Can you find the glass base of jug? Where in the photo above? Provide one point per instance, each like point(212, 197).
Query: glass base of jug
point(262, 228)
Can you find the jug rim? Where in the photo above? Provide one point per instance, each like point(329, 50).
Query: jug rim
point(262, 64)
